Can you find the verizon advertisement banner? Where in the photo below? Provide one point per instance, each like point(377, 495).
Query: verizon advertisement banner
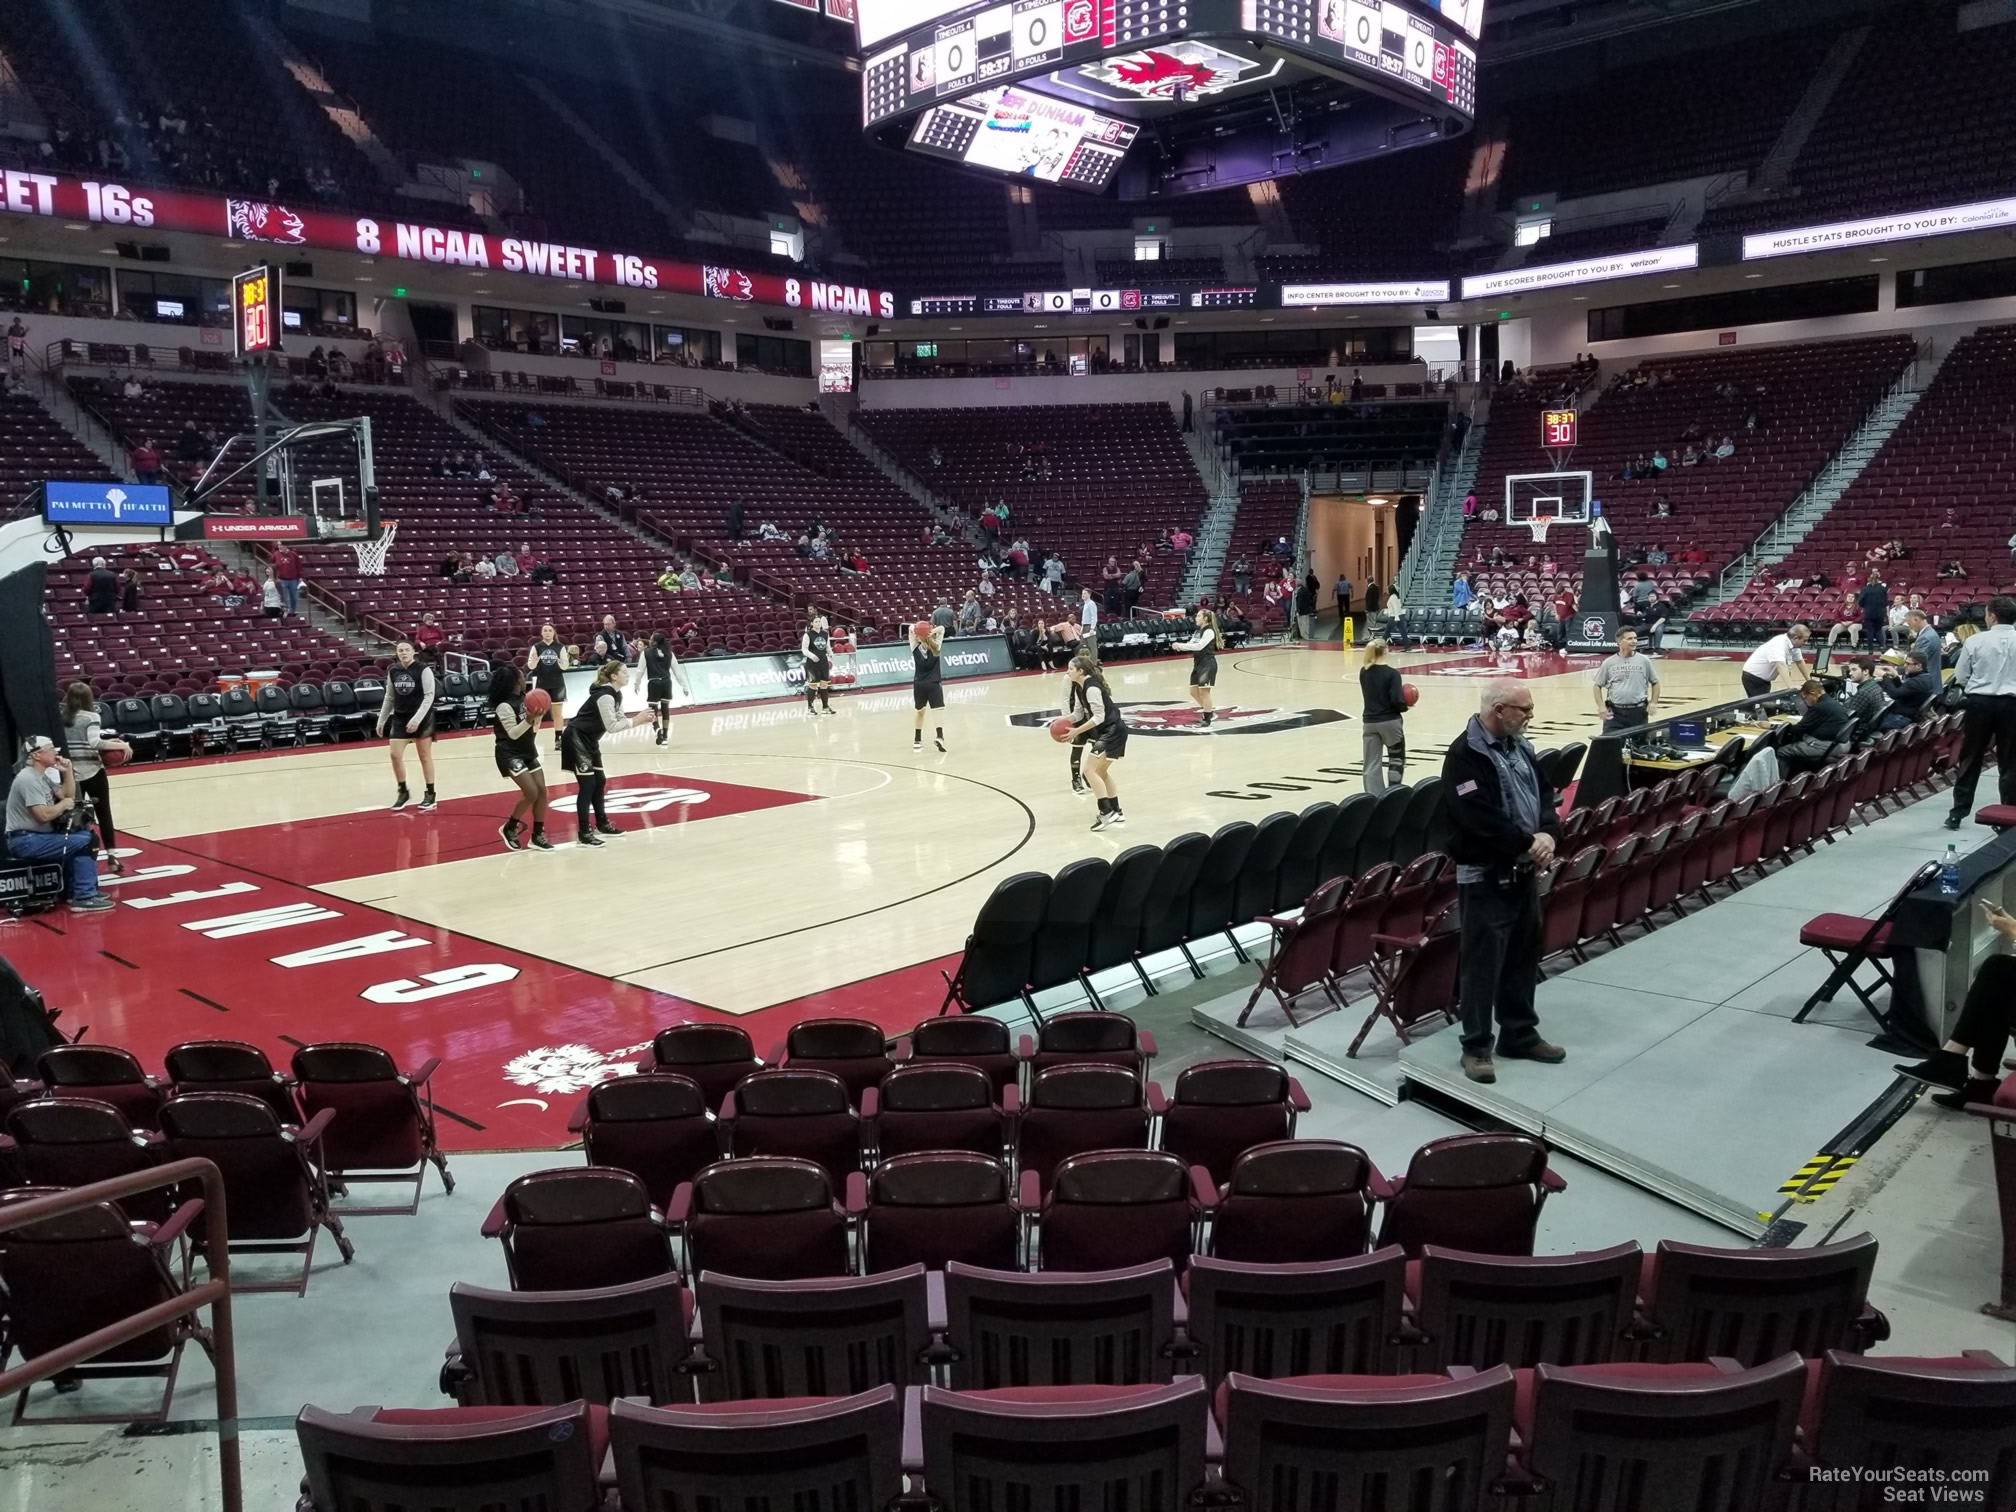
point(1988, 215)
point(53, 196)
point(1593, 270)
point(738, 679)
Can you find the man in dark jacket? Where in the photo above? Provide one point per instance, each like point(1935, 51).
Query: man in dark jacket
point(1502, 832)
point(101, 591)
point(1807, 745)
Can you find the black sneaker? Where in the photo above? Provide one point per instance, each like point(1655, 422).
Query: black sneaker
point(508, 833)
point(402, 800)
point(428, 801)
point(661, 737)
point(1951, 822)
point(939, 742)
point(1101, 822)
point(609, 829)
point(1080, 787)
point(1975, 1091)
point(1944, 1069)
point(539, 840)
point(587, 837)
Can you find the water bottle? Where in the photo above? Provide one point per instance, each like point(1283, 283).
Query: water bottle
point(1949, 873)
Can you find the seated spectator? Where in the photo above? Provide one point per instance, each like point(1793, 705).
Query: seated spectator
point(146, 461)
point(101, 591)
point(34, 805)
point(427, 636)
point(1490, 515)
point(506, 563)
point(1690, 458)
point(1811, 743)
point(820, 551)
point(856, 563)
point(1235, 621)
point(542, 571)
point(1658, 462)
point(1724, 449)
point(1470, 505)
point(1912, 692)
point(1656, 557)
point(508, 503)
point(1968, 1066)
point(1179, 542)
point(1866, 699)
point(131, 389)
point(1662, 509)
point(218, 584)
point(1955, 570)
point(483, 570)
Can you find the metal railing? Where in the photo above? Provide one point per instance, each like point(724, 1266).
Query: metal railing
point(215, 1294)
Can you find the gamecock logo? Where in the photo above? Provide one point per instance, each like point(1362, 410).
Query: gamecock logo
point(1196, 68)
point(1078, 22)
point(1594, 629)
point(726, 283)
point(252, 221)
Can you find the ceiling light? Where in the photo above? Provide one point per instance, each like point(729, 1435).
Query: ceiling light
point(75, 226)
point(1753, 275)
point(1879, 259)
point(1378, 502)
point(1669, 286)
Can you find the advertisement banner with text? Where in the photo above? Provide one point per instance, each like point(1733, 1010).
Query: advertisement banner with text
point(737, 679)
point(54, 196)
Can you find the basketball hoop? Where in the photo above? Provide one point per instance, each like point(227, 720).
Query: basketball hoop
point(372, 555)
point(1539, 525)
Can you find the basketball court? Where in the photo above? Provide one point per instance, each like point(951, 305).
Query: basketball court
point(779, 866)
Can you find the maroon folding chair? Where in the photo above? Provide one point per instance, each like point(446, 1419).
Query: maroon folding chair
point(938, 1107)
point(813, 1452)
point(384, 1118)
point(579, 1230)
point(1952, 1416)
point(1296, 1201)
point(933, 1208)
point(451, 1459)
point(275, 1185)
point(1563, 888)
point(1056, 1328)
point(1073, 1109)
point(1326, 1317)
point(852, 1049)
point(1751, 1305)
point(1523, 1310)
point(106, 1074)
point(545, 1349)
point(656, 1127)
point(806, 1115)
point(823, 1337)
point(1788, 799)
point(1480, 1192)
point(767, 1217)
point(1360, 920)
point(69, 1276)
point(1726, 844)
point(1850, 942)
point(715, 1056)
point(1602, 897)
point(1406, 911)
point(230, 1066)
point(1220, 1109)
point(1414, 981)
point(1669, 870)
point(74, 1141)
point(1633, 900)
point(1363, 1437)
point(1303, 947)
point(1141, 1449)
point(970, 1039)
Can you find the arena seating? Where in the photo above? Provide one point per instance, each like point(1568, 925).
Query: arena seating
point(1268, 510)
point(1417, 192)
point(1292, 438)
point(1944, 484)
point(1808, 400)
point(1127, 273)
point(35, 447)
point(916, 222)
point(1114, 476)
point(164, 409)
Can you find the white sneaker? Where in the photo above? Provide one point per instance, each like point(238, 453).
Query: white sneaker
point(1100, 822)
point(1115, 819)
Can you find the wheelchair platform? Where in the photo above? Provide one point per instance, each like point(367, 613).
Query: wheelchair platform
point(1686, 1075)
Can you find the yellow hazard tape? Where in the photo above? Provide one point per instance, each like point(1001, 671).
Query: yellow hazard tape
point(1817, 1177)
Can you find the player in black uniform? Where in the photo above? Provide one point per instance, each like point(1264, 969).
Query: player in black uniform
point(547, 664)
point(1109, 738)
point(661, 669)
point(1204, 646)
point(581, 749)
point(927, 684)
point(816, 646)
point(518, 758)
point(1075, 709)
point(407, 714)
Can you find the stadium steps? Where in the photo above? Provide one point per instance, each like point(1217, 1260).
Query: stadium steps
point(1431, 558)
point(54, 397)
point(1833, 480)
point(347, 117)
point(1778, 163)
point(1212, 546)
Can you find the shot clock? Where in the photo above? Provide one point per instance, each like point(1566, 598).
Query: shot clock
point(255, 310)
point(1557, 429)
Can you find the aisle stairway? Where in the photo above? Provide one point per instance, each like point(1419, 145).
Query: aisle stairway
point(1431, 559)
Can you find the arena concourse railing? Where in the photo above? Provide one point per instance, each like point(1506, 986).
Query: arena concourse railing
point(214, 1293)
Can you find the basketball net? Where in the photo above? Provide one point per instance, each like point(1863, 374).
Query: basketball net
point(372, 555)
point(1540, 525)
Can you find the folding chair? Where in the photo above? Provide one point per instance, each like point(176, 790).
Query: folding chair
point(1850, 942)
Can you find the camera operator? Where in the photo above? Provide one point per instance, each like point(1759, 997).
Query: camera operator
point(44, 824)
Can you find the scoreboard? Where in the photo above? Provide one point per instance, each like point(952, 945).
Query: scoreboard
point(255, 310)
point(1557, 429)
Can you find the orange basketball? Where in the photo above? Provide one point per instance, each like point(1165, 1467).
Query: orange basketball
point(1409, 694)
point(538, 702)
point(1060, 730)
point(115, 753)
point(921, 630)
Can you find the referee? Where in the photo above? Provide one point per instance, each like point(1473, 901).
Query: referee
point(1986, 673)
point(1627, 685)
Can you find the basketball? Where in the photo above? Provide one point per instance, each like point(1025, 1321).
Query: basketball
point(115, 753)
point(1409, 694)
point(921, 630)
point(1060, 730)
point(538, 702)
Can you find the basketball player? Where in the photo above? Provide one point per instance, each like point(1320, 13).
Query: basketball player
point(1109, 738)
point(407, 714)
point(547, 662)
point(1076, 710)
point(518, 758)
point(927, 680)
point(661, 668)
point(1204, 646)
point(581, 749)
point(816, 646)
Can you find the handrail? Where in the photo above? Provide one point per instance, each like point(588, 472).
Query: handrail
point(214, 1293)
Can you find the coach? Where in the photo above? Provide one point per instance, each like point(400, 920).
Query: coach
point(1986, 673)
point(1502, 831)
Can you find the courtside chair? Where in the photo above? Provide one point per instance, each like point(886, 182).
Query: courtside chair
point(1165, 913)
point(1414, 980)
point(1220, 1109)
point(938, 1107)
point(1325, 1317)
point(1340, 846)
point(715, 1056)
point(936, 1207)
point(811, 1452)
point(1301, 861)
point(384, 1118)
point(852, 1049)
point(1303, 947)
point(69, 1276)
point(450, 1459)
point(822, 1337)
point(1260, 878)
point(1382, 828)
point(1297, 1201)
point(1361, 918)
point(1058, 1328)
point(1063, 943)
point(658, 1128)
point(1522, 1310)
point(74, 1141)
point(965, 1039)
point(769, 1218)
point(230, 1066)
point(1406, 911)
point(545, 1349)
point(275, 1184)
point(1479, 1192)
point(1116, 926)
point(579, 1230)
point(1000, 952)
point(1215, 892)
point(1362, 1437)
point(1419, 821)
point(103, 1073)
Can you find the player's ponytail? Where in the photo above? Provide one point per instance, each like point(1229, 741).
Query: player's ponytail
point(1207, 620)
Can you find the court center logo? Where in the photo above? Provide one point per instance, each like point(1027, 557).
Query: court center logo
point(1181, 717)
